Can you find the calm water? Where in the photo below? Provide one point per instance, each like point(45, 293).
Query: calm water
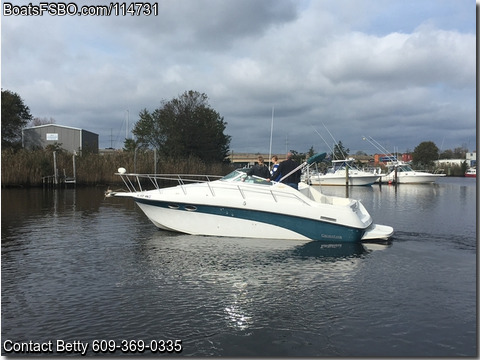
point(78, 267)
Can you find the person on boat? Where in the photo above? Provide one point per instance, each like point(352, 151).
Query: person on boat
point(260, 169)
point(275, 164)
point(284, 168)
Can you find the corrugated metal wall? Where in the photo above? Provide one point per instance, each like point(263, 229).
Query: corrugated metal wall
point(70, 139)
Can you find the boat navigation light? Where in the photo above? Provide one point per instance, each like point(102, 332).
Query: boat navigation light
point(122, 170)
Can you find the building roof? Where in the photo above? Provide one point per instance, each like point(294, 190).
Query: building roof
point(60, 126)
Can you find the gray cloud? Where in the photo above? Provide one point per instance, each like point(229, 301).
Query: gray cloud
point(402, 80)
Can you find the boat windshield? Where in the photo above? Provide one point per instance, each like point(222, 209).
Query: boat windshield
point(402, 167)
point(342, 164)
point(405, 168)
point(240, 175)
point(338, 166)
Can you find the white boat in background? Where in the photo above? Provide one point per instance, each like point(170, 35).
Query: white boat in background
point(238, 205)
point(337, 175)
point(402, 173)
point(471, 172)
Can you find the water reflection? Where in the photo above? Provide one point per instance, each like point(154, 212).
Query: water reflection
point(234, 279)
point(329, 251)
point(443, 211)
point(236, 312)
point(77, 266)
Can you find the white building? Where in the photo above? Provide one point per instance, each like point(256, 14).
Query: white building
point(450, 162)
point(471, 158)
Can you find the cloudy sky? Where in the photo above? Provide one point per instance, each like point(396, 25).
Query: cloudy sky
point(401, 72)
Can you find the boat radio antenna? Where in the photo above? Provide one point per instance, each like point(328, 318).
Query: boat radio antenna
point(271, 134)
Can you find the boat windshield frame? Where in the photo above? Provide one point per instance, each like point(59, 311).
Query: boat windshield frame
point(342, 165)
point(240, 175)
point(405, 168)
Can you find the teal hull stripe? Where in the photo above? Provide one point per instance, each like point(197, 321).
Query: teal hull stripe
point(312, 229)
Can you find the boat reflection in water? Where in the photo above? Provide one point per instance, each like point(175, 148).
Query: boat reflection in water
point(330, 251)
point(241, 283)
point(338, 251)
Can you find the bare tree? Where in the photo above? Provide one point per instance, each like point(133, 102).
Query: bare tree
point(42, 121)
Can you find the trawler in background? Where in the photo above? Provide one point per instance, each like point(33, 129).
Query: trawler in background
point(402, 173)
point(342, 172)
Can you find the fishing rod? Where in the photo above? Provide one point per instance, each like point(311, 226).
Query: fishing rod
point(338, 147)
point(323, 139)
point(378, 146)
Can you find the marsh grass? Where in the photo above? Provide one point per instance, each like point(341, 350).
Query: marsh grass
point(28, 168)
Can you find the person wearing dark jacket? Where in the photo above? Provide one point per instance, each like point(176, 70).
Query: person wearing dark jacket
point(260, 169)
point(285, 168)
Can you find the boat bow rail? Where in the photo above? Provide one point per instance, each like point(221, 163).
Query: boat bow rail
point(141, 183)
point(144, 182)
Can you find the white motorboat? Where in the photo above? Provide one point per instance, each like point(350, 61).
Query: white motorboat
point(343, 172)
point(402, 173)
point(238, 205)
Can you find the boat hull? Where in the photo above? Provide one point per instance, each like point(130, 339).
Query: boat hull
point(249, 207)
point(327, 180)
point(236, 222)
point(414, 178)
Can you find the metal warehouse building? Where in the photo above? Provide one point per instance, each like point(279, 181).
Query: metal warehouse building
point(68, 138)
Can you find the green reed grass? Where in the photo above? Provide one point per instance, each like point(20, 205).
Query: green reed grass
point(28, 168)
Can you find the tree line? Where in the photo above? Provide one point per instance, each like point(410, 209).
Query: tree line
point(186, 134)
point(180, 128)
point(185, 129)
